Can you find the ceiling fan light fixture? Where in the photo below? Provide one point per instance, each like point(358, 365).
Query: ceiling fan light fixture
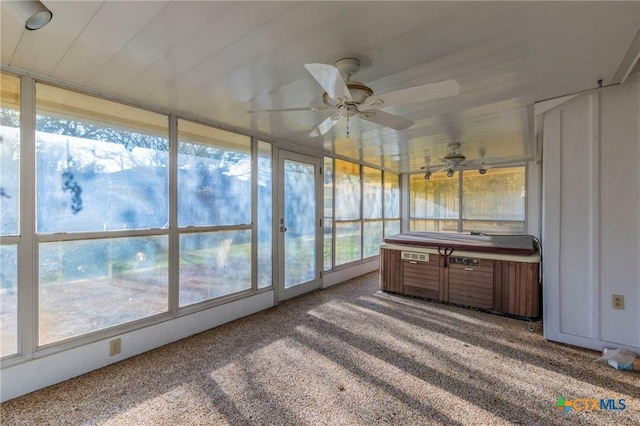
point(450, 173)
point(427, 175)
point(344, 94)
point(34, 14)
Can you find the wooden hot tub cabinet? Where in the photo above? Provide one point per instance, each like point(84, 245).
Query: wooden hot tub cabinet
point(464, 270)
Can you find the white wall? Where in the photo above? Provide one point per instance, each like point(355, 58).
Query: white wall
point(591, 218)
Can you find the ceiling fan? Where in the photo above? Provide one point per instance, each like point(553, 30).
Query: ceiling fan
point(454, 161)
point(348, 98)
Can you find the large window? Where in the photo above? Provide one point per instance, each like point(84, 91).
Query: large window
point(434, 203)
point(495, 201)
point(9, 211)
point(328, 214)
point(113, 221)
point(372, 211)
point(391, 204)
point(100, 167)
point(265, 215)
point(124, 223)
point(87, 285)
point(361, 205)
point(491, 203)
point(214, 212)
point(347, 212)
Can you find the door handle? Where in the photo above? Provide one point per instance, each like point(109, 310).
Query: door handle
point(283, 229)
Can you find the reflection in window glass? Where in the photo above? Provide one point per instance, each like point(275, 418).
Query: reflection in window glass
point(100, 165)
point(214, 264)
point(436, 199)
point(8, 300)
point(90, 285)
point(9, 154)
point(265, 216)
point(214, 176)
point(347, 242)
point(494, 202)
point(328, 213)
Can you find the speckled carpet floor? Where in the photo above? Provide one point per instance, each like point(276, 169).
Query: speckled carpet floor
point(347, 355)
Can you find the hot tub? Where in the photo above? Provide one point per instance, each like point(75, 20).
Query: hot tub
point(495, 273)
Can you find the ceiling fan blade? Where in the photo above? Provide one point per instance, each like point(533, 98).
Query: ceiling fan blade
point(326, 125)
point(386, 119)
point(330, 79)
point(426, 92)
point(313, 109)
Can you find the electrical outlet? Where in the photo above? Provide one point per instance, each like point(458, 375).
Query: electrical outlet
point(115, 347)
point(617, 301)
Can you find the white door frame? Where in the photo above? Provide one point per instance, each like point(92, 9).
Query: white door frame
point(283, 293)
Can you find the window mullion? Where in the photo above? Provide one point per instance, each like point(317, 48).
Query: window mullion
point(254, 213)
point(173, 255)
point(333, 213)
point(361, 211)
point(27, 249)
point(460, 201)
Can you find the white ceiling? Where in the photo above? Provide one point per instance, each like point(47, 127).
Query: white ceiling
point(216, 60)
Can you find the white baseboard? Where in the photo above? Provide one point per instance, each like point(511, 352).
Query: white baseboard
point(342, 275)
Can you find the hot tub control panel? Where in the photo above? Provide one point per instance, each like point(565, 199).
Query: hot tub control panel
point(470, 261)
point(415, 256)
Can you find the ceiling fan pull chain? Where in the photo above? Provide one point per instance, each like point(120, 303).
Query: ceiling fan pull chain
point(347, 124)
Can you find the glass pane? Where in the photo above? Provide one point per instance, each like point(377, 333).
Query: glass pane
point(497, 195)
point(433, 225)
point(371, 238)
point(328, 213)
point(347, 242)
point(214, 176)
point(347, 190)
point(9, 154)
point(372, 193)
point(436, 198)
point(100, 165)
point(8, 300)
point(214, 264)
point(265, 216)
point(493, 226)
point(86, 286)
point(391, 195)
point(391, 227)
point(300, 221)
